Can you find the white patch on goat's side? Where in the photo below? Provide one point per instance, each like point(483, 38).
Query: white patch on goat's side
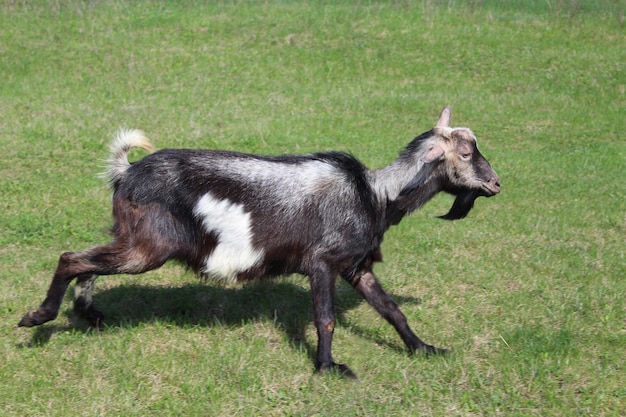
point(234, 252)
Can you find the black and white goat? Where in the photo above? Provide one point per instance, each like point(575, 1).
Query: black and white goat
point(240, 217)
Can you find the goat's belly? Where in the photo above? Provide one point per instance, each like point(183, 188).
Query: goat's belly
point(228, 261)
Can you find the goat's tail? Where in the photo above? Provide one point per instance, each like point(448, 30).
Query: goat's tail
point(120, 147)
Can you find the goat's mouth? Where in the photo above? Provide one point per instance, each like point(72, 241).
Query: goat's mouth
point(490, 189)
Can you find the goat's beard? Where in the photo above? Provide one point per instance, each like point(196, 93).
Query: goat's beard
point(462, 205)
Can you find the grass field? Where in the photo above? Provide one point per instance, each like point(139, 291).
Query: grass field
point(528, 291)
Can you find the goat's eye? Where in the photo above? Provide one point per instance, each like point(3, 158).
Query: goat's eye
point(466, 156)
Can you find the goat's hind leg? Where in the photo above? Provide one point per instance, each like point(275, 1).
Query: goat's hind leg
point(83, 303)
point(70, 265)
point(115, 258)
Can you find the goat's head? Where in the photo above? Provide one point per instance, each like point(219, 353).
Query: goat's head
point(462, 170)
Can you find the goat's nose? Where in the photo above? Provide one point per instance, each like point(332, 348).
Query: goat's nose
point(495, 182)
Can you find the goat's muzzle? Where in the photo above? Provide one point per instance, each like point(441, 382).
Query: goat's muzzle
point(492, 187)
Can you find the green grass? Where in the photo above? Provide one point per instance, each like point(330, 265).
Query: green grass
point(528, 291)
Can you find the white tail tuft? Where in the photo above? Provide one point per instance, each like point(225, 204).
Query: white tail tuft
point(125, 140)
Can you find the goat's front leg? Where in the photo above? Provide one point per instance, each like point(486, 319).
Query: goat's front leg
point(368, 286)
point(323, 292)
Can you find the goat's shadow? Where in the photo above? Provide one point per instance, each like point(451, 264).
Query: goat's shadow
point(285, 304)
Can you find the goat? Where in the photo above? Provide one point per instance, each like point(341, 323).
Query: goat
point(240, 217)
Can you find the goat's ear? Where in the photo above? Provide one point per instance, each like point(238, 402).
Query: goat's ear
point(444, 119)
point(433, 154)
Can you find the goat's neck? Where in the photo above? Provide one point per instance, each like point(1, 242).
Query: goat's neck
point(391, 181)
point(413, 199)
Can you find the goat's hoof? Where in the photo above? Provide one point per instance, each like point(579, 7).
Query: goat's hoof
point(429, 350)
point(90, 314)
point(339, 369)
point(35, 318)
